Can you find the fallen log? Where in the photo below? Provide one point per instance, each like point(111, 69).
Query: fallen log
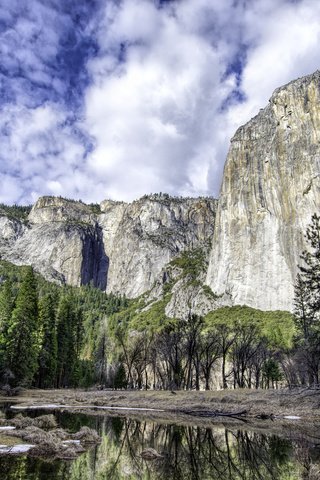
point(265, 416)
point(211, 413)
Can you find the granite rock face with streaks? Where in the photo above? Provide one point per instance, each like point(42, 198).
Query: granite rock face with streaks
point(61, 240)
point(121, 249)
point(141, 237)
point(270, 189)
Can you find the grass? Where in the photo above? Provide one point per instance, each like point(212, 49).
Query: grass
point(282, 402)
point(9, 440)
point(45, 422)
point(49, 441)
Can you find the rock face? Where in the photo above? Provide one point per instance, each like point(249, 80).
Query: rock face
point(122, 248)
point(270, 189)
point(140, 238)
point(61, 240)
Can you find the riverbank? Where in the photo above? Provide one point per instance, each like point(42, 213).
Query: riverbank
point(302, 402)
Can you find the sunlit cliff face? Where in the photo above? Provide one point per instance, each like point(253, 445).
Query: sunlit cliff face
point(270, 189)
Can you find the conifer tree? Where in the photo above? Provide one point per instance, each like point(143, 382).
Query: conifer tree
point(6, 304)
point(6, 307)
point(21, 339)
point(310, 270)
point(100, 353)
point(307, 301)
point(65, 355)
point(120, 379)
point(69, 337)
point(49, 348)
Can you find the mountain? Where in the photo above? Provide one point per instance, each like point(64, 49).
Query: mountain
point(61, 239)
point(196, 253)
point(118, 247)
point(270, 189)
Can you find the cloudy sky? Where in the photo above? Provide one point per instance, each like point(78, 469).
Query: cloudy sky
point(115, 99)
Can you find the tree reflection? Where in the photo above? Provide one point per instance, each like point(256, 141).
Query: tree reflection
point(20, 467)
point(187, 452)
point(193, 453)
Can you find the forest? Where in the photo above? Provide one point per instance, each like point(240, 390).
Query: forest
point(55, 336)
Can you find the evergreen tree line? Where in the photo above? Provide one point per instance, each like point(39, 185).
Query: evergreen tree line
point(43, 330)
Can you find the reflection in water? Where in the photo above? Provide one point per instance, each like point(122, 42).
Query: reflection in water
point(22, 468)
point(188, 452)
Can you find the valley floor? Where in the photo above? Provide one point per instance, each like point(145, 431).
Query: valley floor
point(302, 402)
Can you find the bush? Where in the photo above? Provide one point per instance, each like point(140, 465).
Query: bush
point(43, 421)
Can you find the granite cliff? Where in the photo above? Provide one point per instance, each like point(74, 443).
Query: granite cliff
point(61, 239)
point(141, 237)
point(270, 189)
point(118, 247)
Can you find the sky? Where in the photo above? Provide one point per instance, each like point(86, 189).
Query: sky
point(120, 98)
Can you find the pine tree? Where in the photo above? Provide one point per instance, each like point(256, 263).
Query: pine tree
point(69, 338)
point(120, 378)
point(64, 341)
point(303, 308)
point(22, 339)
point(100, 354)
point(6, 304)
point(307, 301)
point(49, 347)
point(310, 270)
point(6, 308)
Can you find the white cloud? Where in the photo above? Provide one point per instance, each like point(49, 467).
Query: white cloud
point(10, 189)
point(286, 39)
point(153, 116)
point(157, 117)
point(43, 150)
point(164, 95)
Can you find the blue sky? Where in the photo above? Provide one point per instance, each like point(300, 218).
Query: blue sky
point(114, 99)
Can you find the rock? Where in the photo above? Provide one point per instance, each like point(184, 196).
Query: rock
point(15, 449)
point(193, 298)
point(140, 238)
point(270, 189)
point(123, 249)
point(87, 435)
point(62, 241)
point(150, 454)
point(57, 209)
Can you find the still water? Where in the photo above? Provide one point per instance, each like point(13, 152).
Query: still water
point(192, 452)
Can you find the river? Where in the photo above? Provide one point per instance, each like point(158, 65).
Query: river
point(229, 451)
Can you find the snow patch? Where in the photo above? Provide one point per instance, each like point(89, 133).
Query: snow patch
point(15, 448)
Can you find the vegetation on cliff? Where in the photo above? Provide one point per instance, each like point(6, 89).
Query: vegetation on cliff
point(18, 212)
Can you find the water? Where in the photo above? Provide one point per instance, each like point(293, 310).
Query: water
point(187, 452)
